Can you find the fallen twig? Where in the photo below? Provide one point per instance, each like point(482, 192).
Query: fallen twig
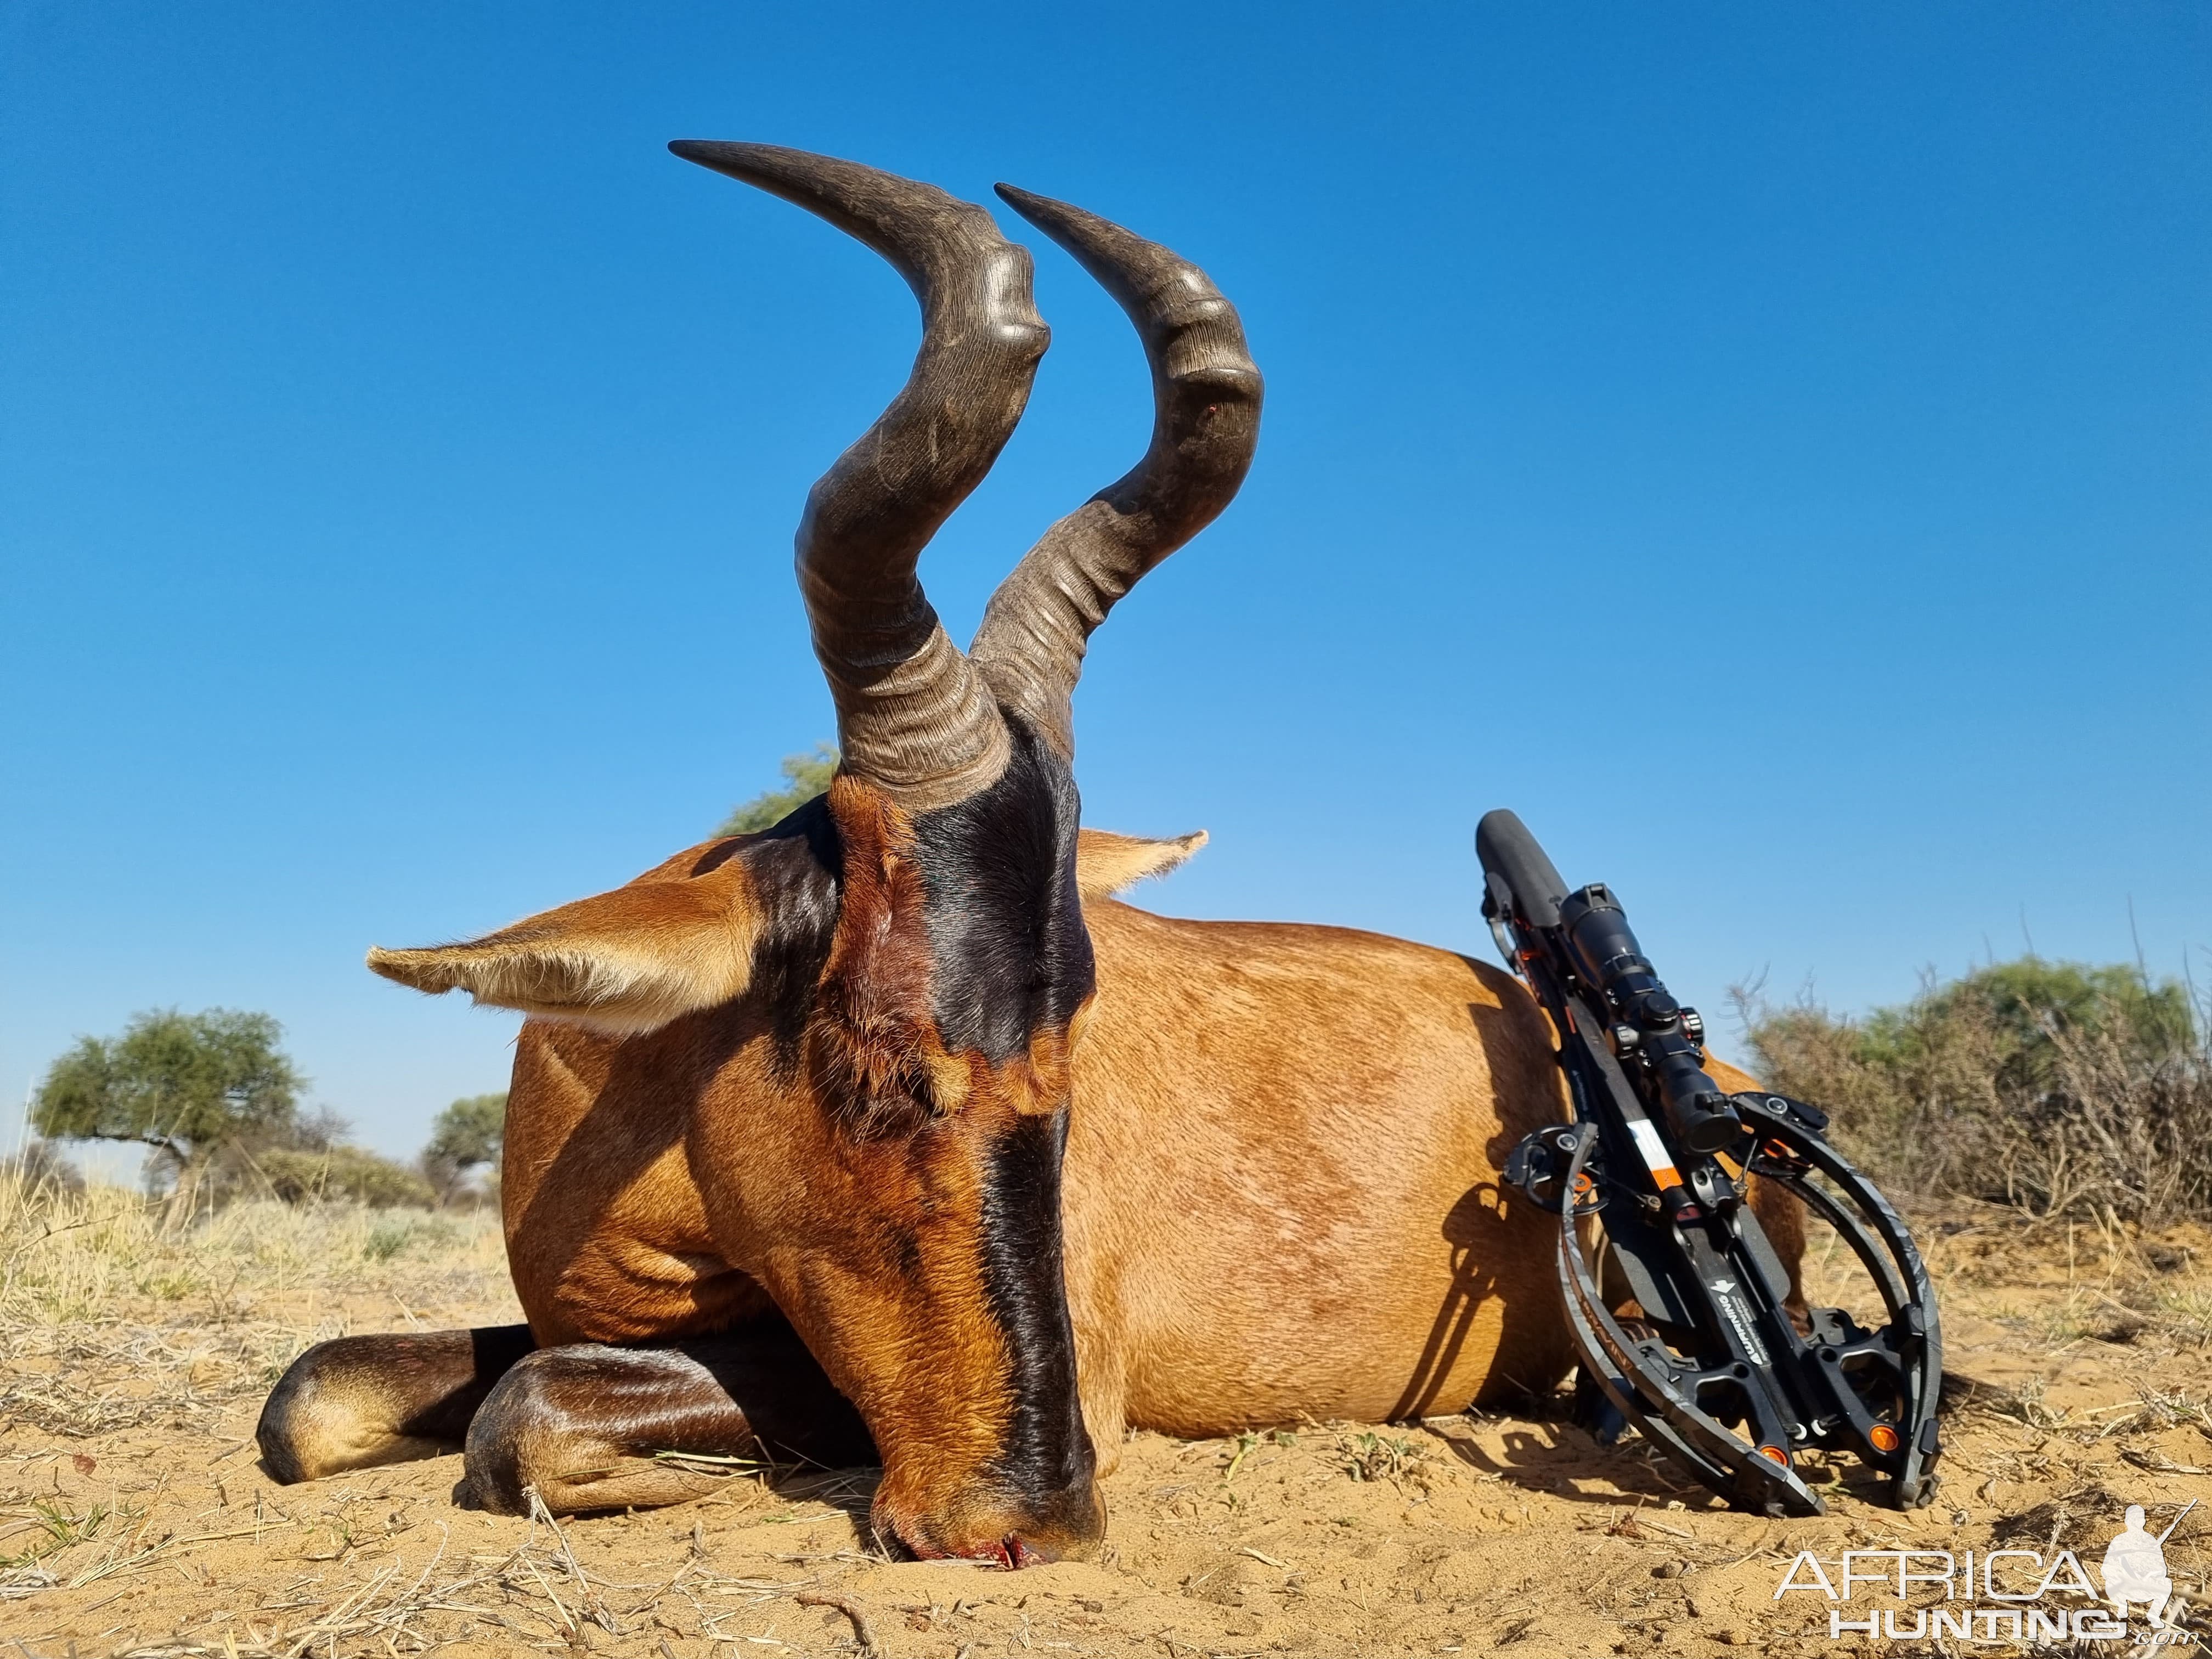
point(591, 1603)
point(844, 1604)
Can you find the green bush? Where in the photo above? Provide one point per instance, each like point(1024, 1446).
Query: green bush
point(2062, 1088)
point(299, 1176)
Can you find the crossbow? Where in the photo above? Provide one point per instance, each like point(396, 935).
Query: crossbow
point(1679, 1305)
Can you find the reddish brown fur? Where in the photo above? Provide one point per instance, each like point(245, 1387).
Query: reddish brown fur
point(1281, 1184)
point(1278, 1131)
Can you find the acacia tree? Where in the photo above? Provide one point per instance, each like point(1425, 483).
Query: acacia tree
point(186, 1085)
point(805, 777)
point(467, 1135)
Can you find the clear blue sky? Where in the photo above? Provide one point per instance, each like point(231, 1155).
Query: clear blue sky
point(1765, 445)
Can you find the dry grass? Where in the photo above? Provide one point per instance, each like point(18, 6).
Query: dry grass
point(2066, 1091)
point(186, 1319)
point(73, 1257)
point(112, 1319)
point(135, 1524)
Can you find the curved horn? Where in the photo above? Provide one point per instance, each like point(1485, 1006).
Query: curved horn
point(1206, 398)
point(912, 715)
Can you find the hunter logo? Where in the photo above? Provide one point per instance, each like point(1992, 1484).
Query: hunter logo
point(2135, 1567)
point(2006, 1596)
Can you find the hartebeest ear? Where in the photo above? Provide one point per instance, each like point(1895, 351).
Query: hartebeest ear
point(624, 962)
point(1106, 863)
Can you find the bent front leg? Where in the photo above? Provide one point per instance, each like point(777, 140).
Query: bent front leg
point(364, 1401)
point(586, 1426)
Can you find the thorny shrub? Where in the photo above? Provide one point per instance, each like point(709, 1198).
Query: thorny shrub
point(2060, 1089)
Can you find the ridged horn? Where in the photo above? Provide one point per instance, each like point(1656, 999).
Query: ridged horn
point(1206, 396)
point(913, 713)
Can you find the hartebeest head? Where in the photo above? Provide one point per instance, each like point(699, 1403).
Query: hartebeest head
point(906, 958)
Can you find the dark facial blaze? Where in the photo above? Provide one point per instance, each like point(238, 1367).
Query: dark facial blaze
point(1049, 1458)
point(1011, 969)
point(1010, 957)
point(937, 1046)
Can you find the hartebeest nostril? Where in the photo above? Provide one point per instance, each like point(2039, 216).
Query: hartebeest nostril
point(1060, 1526)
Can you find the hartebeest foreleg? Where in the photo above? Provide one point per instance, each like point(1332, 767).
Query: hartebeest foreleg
point(364, 1401)
point(593, 1427)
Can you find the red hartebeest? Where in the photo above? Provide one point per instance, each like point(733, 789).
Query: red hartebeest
point(888, 1132)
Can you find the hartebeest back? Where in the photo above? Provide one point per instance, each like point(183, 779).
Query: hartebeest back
point(855, 1136)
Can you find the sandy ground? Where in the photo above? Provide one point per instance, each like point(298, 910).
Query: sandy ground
point(134, 1520)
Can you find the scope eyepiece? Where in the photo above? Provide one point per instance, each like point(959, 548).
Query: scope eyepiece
point(1706, 1122)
